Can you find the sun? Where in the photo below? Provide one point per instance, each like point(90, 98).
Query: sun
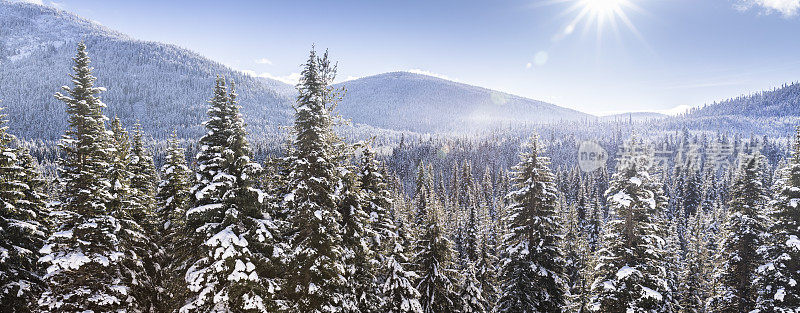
point(601, 14)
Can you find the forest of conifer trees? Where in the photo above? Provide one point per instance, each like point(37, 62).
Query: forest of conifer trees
point(331, 226)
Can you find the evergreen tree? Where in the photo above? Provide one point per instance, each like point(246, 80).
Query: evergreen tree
point(144, 178)
point(172, 200)
point(434, 261)
point(23, 227)
point(142, 190)
point(778, 277)
point(131, 214)
point(360, 259)
point(576, 255)
point(532, 271)
point(471, 233)
point(422, 195)
point(84, 254)
point(398, 290)
point(317, 279)
point(694, 285)
point(487, 272)
point(745, 233)
point(377, 202)
point(235, 267)
point(629, 273)
point(472, 300)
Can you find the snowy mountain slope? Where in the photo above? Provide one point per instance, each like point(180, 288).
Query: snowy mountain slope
point(420, 103)
point(162, 86)
point(633, 116)
point(773, 112)
point(778, 102)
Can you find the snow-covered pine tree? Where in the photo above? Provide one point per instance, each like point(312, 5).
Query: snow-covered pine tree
point(576, 256)
point(84, 254)
point(629, 273)
point(422, 195)
point(488, 196)
point(119, 173)
point(23, 227)
point(745, 230)
point(692, 189)
point(694, 285)
point(674, 262)
point(130, 214)
point(359, 258)
point(532, 270)
point(143, 188)
point(172, 199)
point(472, 300)
point(235, 269)
point(398, 291)
point(779, 276)
point(471, 236)
point(377, 203)
point(144, 177)
point(486, 271)
point(434, 263)
point(316, 282)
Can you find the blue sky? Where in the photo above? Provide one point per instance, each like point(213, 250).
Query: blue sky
point(678, 52)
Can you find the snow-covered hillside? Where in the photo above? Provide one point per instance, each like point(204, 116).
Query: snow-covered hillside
point(409, 101)
point(162, 86)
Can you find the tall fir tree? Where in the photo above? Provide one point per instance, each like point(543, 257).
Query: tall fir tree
point(131, 214)
point(486, 271)
point(317, 281)
point(235, 267)
point(694, 285)
point(361, 266)
point(144, 177)
point(778, 277)
point(434, 262)
point(84, 254)
point(745, 228)
point(532, 271)
point(472, 300)
point(143, 182)
point(576, 256)
point(629, 273)
point(172, 200)
point(398, 291)
point(377, 202)
point(23, 227)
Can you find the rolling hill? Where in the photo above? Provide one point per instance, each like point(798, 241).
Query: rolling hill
point(421, 103)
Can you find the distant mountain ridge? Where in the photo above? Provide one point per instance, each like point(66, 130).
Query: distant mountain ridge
point(421, 103)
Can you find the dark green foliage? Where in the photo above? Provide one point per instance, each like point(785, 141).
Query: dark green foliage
point(629, 269)
point(778, 277)
point(316, 280)
point(84, 254)
point(23, 227)
point(532, 271)
point(745, 229)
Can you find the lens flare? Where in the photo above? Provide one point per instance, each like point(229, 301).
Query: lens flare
point(601, 14)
